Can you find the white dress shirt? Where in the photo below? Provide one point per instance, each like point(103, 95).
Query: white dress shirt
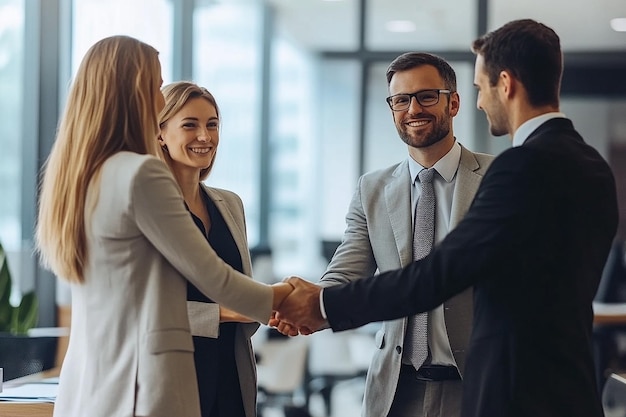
point(529, 126)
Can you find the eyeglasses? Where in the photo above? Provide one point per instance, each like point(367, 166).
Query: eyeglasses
point(425, 98)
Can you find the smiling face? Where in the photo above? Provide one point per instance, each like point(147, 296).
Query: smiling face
point(418, 126)
point(192, 135)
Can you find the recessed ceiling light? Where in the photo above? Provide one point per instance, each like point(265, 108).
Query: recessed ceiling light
point(619, 24)
point(402, 26)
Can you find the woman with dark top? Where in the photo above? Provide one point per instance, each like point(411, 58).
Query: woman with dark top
point(223, 354)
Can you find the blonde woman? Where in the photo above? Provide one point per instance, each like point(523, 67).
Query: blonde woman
point(224, 359)
point(113, 223)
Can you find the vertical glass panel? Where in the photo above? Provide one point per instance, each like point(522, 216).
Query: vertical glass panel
point(383, 146)
point(339, 84)
point(292, 160)
point(227, 61)
point(419, 25)
point(11, 103)
point(314, 155)
point(147, 20)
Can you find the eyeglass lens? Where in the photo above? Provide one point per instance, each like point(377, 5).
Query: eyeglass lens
point(424, 98)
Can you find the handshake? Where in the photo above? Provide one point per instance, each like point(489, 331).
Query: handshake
point(297, 307)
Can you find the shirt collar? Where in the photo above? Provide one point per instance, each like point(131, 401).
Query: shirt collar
point(446, 166)
point(529, 126)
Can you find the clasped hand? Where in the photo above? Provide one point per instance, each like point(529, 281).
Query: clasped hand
point(299, 311)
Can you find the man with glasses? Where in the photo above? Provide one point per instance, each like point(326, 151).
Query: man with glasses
point(379, 236)
point(532, 245)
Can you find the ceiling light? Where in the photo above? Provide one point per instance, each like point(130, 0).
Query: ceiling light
point(402, 26)
point(619, 24)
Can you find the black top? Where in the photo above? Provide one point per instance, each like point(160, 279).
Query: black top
point(216, 369)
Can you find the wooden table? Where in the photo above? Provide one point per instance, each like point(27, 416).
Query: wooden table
point(14, 409)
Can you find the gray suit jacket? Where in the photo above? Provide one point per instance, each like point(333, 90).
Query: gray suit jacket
point(379, 236)
point(130, 351)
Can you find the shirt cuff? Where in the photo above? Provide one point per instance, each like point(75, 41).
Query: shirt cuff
point(322, 309)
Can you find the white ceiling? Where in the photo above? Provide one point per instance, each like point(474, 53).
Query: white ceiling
point(583, 25)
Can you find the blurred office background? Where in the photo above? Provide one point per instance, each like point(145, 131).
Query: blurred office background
point(301, 86)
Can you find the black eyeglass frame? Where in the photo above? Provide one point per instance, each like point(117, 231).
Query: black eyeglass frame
point(415, 95)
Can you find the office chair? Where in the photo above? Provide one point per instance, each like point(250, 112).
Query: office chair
point(281, 369)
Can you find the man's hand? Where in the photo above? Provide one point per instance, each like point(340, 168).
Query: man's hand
point(300, 310)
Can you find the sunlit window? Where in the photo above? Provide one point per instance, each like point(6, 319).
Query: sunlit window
point(147, 20)
point(294, 219)
point(11, 96)
point(227, 61)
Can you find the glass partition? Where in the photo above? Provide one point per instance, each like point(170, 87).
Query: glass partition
point(147, 20)
point(11, 103)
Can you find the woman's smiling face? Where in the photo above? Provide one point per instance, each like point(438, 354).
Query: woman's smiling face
point(192, 135)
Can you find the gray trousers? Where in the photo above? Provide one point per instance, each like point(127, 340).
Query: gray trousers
point(415, 398)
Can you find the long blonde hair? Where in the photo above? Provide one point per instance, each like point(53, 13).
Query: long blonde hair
point(111, 107)
point(176, 95)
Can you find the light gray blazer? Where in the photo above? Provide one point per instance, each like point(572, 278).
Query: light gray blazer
point(204, 318)
point(378, 237)
point(130, 351)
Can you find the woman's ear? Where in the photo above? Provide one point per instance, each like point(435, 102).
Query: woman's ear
point(162, 143)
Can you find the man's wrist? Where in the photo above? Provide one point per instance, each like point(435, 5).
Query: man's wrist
point(322, 308)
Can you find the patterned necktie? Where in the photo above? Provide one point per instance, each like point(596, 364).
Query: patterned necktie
point(416, 340)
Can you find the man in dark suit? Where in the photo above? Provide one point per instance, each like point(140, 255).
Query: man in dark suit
point(533, 245)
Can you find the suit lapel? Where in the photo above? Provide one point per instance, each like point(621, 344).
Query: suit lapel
point(467, 182)
point(239, 235)
point(398, 198)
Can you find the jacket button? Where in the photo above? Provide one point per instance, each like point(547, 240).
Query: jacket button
point(399, 349)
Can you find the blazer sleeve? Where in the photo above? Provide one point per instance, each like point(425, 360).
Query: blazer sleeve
point(159, 213)
point(354, 258)
point(498, 225)
point(204, 319)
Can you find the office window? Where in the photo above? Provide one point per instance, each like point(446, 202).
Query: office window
point(293, 142)
point(337, 143)
point(227, 61)
point(147, 20)
point(11, 103)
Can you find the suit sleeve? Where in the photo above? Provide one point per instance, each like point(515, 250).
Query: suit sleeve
point(483, 245)
point(157, 207)
point(354, 258)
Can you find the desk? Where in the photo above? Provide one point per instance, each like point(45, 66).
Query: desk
point(25, 409)
point(9, 409)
